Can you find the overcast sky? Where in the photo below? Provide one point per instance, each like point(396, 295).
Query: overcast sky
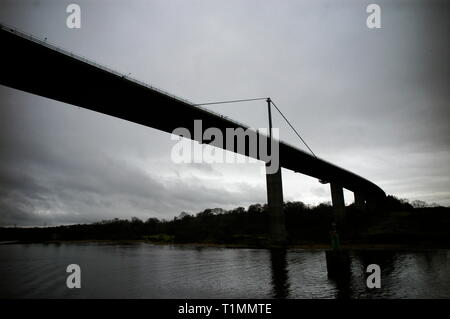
point(374, 101)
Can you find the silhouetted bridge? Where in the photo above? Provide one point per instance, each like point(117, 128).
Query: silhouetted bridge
point(32, 65)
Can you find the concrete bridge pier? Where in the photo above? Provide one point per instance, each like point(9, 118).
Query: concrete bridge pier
point(337, 197)
point(338, 260)
point(275, 196)
point(275, 205)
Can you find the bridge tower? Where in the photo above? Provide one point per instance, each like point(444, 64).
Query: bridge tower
point(275, 197)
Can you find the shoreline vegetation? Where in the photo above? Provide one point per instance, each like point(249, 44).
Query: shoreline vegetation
point(398, 225)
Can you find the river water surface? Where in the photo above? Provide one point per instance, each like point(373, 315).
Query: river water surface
point(142, 270)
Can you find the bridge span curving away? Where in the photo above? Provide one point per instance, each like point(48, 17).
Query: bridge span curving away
point(35, 66)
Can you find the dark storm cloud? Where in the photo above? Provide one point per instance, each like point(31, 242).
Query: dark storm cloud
point(372, 101)
point(82, 192)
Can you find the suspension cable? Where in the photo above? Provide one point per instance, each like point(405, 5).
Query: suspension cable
point(258, 99)
point(233, 101)
point(271, 101)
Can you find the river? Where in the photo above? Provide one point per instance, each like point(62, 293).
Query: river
point(140, 270)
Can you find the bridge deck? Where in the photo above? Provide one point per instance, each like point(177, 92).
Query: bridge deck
point(31, 65)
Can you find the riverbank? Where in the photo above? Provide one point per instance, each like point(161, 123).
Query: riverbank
point(399, 227)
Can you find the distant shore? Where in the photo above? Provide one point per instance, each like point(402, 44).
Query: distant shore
point(398, 226)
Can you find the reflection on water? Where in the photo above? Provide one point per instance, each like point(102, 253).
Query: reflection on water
point(280, 279)
point(148, 271)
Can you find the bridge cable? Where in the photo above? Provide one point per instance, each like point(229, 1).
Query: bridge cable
point(271, 101)
point(258, 99)
point(233, 101)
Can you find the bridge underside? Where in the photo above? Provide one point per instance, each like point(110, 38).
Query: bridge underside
point(37, 68)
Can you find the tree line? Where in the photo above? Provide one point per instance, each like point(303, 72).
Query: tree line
point(397, 222)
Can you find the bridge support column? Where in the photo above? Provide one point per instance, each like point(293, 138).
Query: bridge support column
point(337, 197)
point(359, 200)
point(275, 205)
point(275, 197)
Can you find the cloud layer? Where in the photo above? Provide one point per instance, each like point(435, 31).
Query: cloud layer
point(372, 101)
